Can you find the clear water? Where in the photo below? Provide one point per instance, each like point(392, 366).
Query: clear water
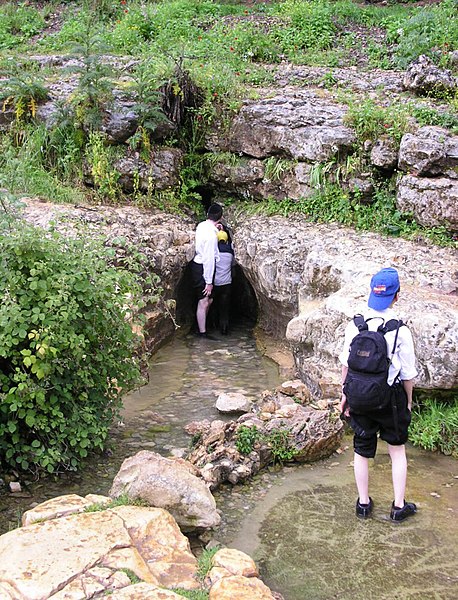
point(298, 522)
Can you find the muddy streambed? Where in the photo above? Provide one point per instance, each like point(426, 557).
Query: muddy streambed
point(297, 522)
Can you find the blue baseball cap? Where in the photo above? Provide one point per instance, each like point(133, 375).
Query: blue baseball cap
point(384, 286)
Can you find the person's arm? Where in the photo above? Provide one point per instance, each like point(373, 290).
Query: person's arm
point(343, 403)
point(209, 253)
point(408, 371)
point(408, 387)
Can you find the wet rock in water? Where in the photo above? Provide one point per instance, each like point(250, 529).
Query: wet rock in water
point(242, 588)
point(168, 483)
point(233, 402)
point(279, 429)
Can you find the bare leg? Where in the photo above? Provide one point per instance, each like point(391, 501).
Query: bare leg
point(202, 310)
point(399, 473)
point(361, 469)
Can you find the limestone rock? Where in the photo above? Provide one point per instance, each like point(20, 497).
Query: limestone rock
point(384, 154)
point(295, 388)
point(296, 124)
point(432, 200)
point(233, 402)
point(250, 178)
point(67, 556)
point(311, 279)
point(242, 588)
point(236, 562)
point(120, 122)
point(285, 430)
point(167, 483)
point(61, 507)
point(429, 152)
point(144, 591)
point(160, 173)
point(424, 77)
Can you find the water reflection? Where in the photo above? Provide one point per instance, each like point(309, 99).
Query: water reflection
point(185, 378)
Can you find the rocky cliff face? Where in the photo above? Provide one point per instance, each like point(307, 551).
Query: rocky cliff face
point(311, 279)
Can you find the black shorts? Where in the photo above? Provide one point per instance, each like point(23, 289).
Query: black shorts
point(198, 281)
point(391, 422)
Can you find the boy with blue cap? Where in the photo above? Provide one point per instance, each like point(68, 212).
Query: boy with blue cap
point(391, 421)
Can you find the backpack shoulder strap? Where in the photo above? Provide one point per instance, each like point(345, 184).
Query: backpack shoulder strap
point(360, 323)
point(392, 325)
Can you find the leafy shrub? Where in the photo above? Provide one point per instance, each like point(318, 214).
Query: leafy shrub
point(311, 23)
point(430, 116)
point(435, 426)
point(371, 120)
point(246, 437)
point(430, 30)
point(280, 442)
point(66, 348)
point(18, 23)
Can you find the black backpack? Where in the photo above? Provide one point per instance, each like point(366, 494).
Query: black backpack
point(365, 385)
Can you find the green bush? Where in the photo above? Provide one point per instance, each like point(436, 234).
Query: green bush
point(370, 120)
point(66, 348)
point(311, 23)
point(246, 437)
point(18, 23)
point(431, 30)
point(435, 426)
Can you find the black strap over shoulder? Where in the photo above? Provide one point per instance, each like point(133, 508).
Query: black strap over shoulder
point(360, 322)
point(390, 325)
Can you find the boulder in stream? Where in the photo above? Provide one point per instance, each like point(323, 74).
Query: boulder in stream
point(166, 483)
point(284, 425)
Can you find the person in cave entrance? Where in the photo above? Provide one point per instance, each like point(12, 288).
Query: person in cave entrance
point(203, 264)
point(223, 279)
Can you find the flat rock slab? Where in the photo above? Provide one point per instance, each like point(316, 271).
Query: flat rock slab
point(62, 557)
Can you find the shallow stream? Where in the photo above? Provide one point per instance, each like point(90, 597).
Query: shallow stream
point(297, 522)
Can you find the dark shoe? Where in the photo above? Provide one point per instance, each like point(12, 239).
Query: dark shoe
point(399, 514)
point(363, 511)
point(224, 330)
point(206, 336)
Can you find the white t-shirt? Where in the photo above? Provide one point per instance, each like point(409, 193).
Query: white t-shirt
point(403, 362)
point(207, 248)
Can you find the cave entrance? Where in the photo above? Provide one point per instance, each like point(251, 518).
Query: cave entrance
point(244, 304)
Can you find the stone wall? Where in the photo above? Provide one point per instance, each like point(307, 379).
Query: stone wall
point(311, 279)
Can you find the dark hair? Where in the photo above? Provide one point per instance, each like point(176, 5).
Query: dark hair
point(215, 212)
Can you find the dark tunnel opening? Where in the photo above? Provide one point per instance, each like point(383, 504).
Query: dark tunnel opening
point(244, 304)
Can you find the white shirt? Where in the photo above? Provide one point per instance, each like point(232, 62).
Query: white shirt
point(403, 362)
point(207, 248)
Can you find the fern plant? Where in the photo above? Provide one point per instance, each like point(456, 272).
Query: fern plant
point(23, 92)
